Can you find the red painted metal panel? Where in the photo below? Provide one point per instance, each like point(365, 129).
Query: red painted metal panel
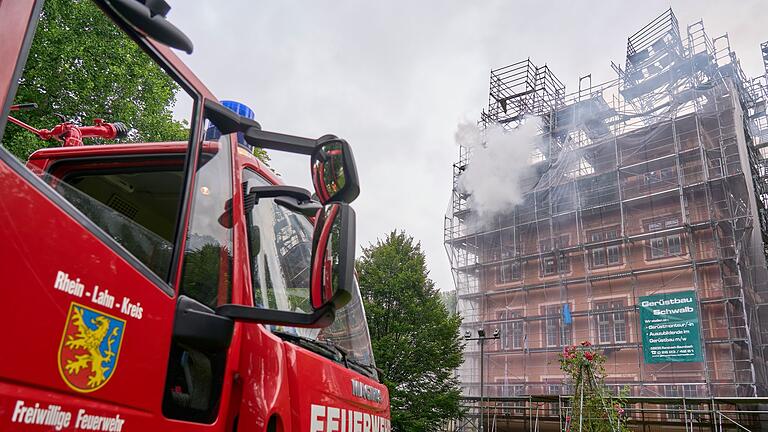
point(50, 264)
point(14, 19)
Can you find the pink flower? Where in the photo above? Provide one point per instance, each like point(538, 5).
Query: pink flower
point(586, 343)
point(588, 355)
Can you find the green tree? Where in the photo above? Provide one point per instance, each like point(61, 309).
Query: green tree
point(82, 66)
point(415, 340)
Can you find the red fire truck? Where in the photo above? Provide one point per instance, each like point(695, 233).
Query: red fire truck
point(173, 285)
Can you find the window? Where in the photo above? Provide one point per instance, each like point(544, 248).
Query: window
point(548, 266)
point(673, 245)
point(515, 390)
point(657, 176)
point(207, 270)
point(652, 177)
point(557, 262)
point(620, 326)
point(196, 374)
point(123, 202)
point(664, 246)
point(508, 244)
point(556, 331)
point(598, 257)
point(512, 329)
point(604, 255)
point(715, 167)
point(492, 246)
point(611, 322)
point(551, 265)
point(508, 272)
point(518, 334)
point(604, 328)
point(658, 249)
point(675, 411)
point(555, 243)
point(614, 256)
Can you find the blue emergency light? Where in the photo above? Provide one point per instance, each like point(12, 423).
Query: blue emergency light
point(212, 133)
point(244, 111)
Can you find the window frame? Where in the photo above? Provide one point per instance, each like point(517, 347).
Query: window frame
point(62, 169)
point(608, 250)
point(512, 326)
point(678, 391)
point(516, 270)
point(548, 265)
point(563, 333)
point(558, 262)
point(224, 140)
point(604, 251)
point(658, 246)
point(606, 316)
point(679, 248)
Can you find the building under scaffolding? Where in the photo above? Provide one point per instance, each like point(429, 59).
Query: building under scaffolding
point(652, 183)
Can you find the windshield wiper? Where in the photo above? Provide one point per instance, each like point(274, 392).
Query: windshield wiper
point(330, 350)
point(363, 368)
point(324, 348)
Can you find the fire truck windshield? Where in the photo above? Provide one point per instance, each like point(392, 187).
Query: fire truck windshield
point(280, 247)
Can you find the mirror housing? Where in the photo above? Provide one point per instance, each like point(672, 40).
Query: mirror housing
point(333, 170)
point(333, 260)
point(148, 18)
point(317, 319)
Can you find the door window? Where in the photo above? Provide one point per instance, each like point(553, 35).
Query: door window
point(195, 374)
point(124, 200)
point(207, 270)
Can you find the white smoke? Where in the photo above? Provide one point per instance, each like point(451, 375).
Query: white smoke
point(499, 161)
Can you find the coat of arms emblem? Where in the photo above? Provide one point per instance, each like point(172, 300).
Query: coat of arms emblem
point(89, 348)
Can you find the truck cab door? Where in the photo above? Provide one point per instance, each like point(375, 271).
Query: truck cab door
point(100, 245)
point(195, 385)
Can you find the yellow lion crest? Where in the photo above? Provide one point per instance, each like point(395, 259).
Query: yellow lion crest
point(89, 347)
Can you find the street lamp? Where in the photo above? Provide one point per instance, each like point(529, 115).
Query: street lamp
point(481, 338)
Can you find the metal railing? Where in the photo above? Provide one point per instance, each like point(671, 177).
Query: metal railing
point(647, 414)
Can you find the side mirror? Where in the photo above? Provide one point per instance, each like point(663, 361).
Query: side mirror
point(148, 17)
point(333, 169)
point(333, 263)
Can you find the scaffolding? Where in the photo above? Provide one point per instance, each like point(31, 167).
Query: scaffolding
point(654, 182)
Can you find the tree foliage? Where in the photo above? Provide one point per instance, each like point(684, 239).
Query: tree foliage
point(82, 66)
point(415, 340)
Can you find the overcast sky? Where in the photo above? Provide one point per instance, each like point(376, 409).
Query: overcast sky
point(395, 78)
